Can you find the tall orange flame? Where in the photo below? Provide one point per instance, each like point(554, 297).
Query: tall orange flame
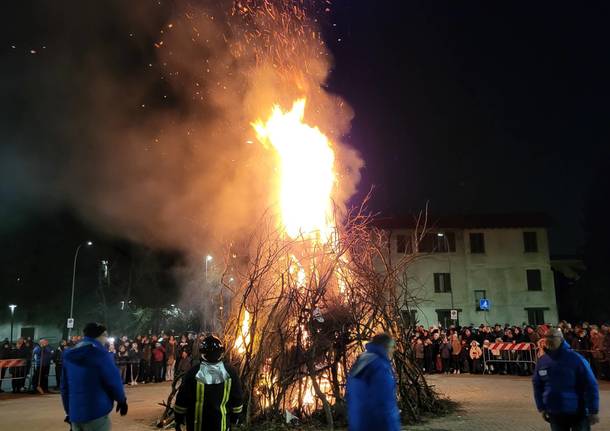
point(307, 175)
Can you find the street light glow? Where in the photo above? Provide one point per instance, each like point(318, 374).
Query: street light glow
point(208, 258)
point(440, 234)
point(12, 307)
point(89, 243)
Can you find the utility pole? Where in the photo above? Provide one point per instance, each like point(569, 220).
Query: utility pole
point(12, 307)
point(89, 244)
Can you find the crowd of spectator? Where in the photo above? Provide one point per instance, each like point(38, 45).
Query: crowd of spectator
point(456, 350)
point(141, 360)
point(453, 350)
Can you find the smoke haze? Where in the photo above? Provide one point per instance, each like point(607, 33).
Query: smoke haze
point(137, 114)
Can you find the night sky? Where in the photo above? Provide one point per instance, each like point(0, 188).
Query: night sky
point(479, 106)
point(474, 107)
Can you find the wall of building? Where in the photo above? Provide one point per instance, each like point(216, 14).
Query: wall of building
point(50, 332)
point(500, 271)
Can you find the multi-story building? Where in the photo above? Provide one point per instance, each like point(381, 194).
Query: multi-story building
point(460, 260)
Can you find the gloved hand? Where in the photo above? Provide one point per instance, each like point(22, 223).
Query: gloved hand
point(122, 408)
point(67, 420)
point(546, 417)
point(593, 419)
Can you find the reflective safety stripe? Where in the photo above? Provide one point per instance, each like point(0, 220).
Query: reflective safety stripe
point(179, 409)
point(199, 406)
point(223, 404)
point(238, 409)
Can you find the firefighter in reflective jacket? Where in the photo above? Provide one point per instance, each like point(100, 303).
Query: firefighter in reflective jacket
point(210, 395)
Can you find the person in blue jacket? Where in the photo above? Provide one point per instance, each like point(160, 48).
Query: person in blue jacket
point(41, 360)
point(565, 389)
point(91, 382)
point(371, 389)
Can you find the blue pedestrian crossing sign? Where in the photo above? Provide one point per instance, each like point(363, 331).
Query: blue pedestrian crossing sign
point(484, 304)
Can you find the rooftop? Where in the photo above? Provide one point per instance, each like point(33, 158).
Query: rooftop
point(466, 221)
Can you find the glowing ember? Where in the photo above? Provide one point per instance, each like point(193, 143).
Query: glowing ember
point(243, 339)
point(308, 397)
point(307, 173)
point(296, 267)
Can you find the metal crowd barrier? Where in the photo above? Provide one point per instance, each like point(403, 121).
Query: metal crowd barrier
point(11, 364)
point(508, 353)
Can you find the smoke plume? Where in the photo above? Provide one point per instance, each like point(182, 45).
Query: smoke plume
point(137, 114)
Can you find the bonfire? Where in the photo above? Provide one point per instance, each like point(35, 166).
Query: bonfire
point(311, 281)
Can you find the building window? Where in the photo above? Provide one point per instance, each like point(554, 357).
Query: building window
point(27, 332)
point(401, 243)
point(446, 242)
point(409, 318)
point(534, 279)
point(477, 242)
point(530, 242)
point(535, 316)
point(444, 318)
point(478, 295)
point(442, 282)
point(441, 242)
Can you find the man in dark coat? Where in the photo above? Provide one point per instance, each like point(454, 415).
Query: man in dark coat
point(5, 353)
point(371, 389)
point(91, 382)
point(565, 388)
point(19, 352)
point(210, 396)
point(57, 359)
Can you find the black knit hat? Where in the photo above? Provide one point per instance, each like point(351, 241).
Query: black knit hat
point(94, 330)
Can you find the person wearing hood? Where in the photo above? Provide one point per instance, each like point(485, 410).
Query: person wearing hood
point(91, 382)
point(371, 389)
point(475, 355)
point(565, 389)
point(210, 395)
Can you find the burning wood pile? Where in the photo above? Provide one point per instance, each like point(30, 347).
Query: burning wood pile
point(309, 286)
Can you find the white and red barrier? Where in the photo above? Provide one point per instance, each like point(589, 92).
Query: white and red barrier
point(509, 353)
point(510, 346)
point(9, 363)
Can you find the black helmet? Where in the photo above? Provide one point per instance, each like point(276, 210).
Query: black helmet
point(212, 349)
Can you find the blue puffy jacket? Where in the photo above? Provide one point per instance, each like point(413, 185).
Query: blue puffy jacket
point(371, 393)
point(42, 353)
point(565, 384)
point(90, 382)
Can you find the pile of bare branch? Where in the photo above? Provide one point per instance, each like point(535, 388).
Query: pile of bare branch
point(297, 312)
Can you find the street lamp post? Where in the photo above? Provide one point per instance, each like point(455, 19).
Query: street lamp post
point(12, 307)
point(88, 243)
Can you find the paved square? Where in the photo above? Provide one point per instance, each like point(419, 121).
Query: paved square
point(487, 403)
point(497, 403)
